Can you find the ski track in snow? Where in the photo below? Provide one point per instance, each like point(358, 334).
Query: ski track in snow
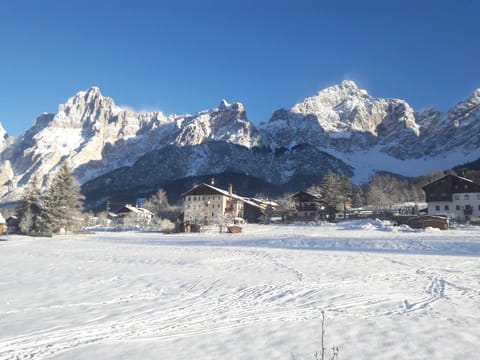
point(210, 303)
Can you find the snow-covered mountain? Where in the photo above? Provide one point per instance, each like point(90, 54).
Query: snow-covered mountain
point(96, 137)
point(341, 128)
point(374, 134)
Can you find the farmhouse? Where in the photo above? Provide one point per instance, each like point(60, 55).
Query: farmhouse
point(128, 213)
point(207, 204)
point(308, 206)
point(453, 196)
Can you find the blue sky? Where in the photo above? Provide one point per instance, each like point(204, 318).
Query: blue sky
point(185, 56)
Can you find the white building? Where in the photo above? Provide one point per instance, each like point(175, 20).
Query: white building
point(2, 224)
point(128, 213)
point(453, 196)
point(206, 204)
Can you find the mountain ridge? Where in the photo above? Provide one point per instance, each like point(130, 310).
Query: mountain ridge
point(342, 122)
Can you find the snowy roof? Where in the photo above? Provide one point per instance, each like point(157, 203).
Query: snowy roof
point(264, 202)
point(308, 194)
point(207, 189)
point(134, 209)
point(2, 220)
point(450, 181)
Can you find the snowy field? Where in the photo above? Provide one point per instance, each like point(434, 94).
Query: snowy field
point(388, 293)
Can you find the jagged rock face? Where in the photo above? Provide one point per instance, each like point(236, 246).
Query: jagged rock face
point(457, 129)
point(3, 135)
point(79, 132)
point(96, 137)
point(344, 118)
point(227, 123)
point(341, 128)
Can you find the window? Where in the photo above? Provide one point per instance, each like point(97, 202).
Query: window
point(446, 208)
point(437, 207)
point(467, 197)
point(478, 207)
point(457, 207)
point(194, 198)
point(457, 197)
point(478, 196)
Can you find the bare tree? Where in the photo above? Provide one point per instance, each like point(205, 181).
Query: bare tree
point(286, 205)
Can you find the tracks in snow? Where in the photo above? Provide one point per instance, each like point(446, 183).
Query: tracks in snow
point(207, 306)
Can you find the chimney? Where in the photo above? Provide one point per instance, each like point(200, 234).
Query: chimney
point(230, 189)
point(212, 181)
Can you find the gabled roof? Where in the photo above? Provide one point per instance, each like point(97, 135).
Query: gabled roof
point(444, 188)
point(456, 184)
point(308, 195)
point(262, 202)
point(134, 209)
point(205, 189)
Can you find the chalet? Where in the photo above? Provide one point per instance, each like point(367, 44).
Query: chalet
point(308, 206)
point(453, 196)
point(2, 224)
point(139, 215)
point(207, 204)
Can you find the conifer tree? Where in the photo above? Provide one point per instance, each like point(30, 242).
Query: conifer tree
point(331, 193)
point(336, 191)
point(28, 212)
point(63, 204)
point(358, 198)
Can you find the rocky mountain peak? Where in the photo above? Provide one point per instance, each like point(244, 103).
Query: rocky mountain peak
point(225, 106)
point(466, 110)
point(3, 133)
point(84, 109)
point(346, 94)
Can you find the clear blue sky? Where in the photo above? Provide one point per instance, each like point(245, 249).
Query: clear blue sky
point(184, 56)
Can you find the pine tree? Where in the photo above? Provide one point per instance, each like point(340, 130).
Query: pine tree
point(63, 203)
point(28, 212)
point(358, 198)
point(331, 193)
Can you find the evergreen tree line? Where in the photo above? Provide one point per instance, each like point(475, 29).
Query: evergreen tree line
point(60, 207)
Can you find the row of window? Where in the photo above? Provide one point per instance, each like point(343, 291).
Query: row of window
point(457, 207)
point(194, 207)
point(465, 187)
point(466, 197)
point(204, 197)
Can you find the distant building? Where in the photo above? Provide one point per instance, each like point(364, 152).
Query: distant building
point(129, 213)
point(308, 206)
point(453, 196)
point(2, 223)
point(207, 204)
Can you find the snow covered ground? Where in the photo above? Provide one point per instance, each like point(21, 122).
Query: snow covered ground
point(388, 293)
